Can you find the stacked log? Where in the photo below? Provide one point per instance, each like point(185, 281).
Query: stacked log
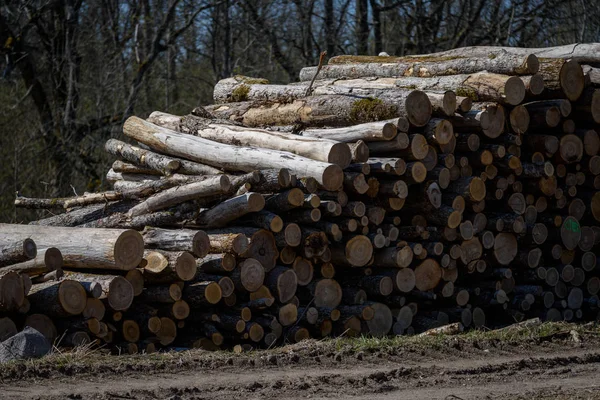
point(390, 195)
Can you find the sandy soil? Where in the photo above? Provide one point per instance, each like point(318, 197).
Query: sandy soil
point(553, 368)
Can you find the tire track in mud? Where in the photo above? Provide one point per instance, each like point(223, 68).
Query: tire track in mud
point(567, 373)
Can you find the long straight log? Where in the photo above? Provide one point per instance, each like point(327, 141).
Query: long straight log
point(341, 106)
point(230, 210)
point(557, 74)
point(230, 157)
point(181, 194)
point(142, 157)
point(316, 149)
point(85, 248)
point(341, 67)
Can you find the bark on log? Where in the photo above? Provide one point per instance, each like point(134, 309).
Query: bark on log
point(12, 252)
point(230, 157)
point(180, 194)
point(480, 86)
point(341, 67)
point(47, 260)
point(371, 132)
point(85, 248)
point(196, 242)
point(58, 299)
point(335, 106)
point(313, 148)
point(116, 289)
point(142, 157)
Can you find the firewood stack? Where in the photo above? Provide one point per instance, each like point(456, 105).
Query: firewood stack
point(390, 195)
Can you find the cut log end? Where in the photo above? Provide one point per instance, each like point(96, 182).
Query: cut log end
point(418, 108)
point(332, 178)
point(359, 251)
point(340, 155)
point(514, 90)
point(572, 79)
point(129, 250)
point(120, 293)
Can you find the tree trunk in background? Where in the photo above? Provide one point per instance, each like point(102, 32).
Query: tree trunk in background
point(330, 36)
point(362, 26)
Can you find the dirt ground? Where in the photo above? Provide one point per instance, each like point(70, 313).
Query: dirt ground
point(560, 365)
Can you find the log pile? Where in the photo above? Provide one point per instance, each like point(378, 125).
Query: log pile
point(390, 195)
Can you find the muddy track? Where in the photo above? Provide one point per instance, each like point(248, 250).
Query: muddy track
point(455, 370)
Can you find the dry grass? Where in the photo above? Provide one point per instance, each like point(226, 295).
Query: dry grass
point(88, 359)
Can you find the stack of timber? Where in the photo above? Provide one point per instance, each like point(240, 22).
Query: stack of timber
point(378, 195)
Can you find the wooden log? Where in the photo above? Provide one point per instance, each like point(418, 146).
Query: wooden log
point(230, 209)
point(357, 252)
point(180, 194)
point(344, 67)
point(265, 220)
point(196, 242)
point(127, 168)
point(230, 157)
point(58, 299)
point(47, 260)
point(283, 283)
point(427, 275)
point(12, 252)
point(371, 132)
point(248, 276)
point(167, 294)
point(481, 86)
point(116, 289)
point(313, 148)
point(272, 180)
point(382, 321)
point(488, 118)
point(167, 266)
point(234, 241)
point(558, 75)
point(142, 157)
point(200, 294)
point(360, 105)
point(324, 293)
point(85, 248)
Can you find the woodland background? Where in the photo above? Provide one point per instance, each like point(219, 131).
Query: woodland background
point(73, 70)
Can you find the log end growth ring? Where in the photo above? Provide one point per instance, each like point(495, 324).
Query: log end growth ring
point(120, 294)
point(418, 108)
point(514, 90)
point(340, 155)
point(72, 296)
point(129, 250)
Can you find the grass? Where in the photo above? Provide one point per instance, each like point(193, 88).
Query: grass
point(97, 361)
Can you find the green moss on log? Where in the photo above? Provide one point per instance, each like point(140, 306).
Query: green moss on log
point(251, 81)
point(466, 92)
point(368, 110)
point(240, 93)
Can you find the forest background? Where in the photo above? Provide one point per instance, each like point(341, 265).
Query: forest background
point(73, 70)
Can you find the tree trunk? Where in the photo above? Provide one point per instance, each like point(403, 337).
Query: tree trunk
point(58, 299)
point(315, 149)
point(332, 106)
point(181, 194)
point(341, 67)
point(230, 157)
point(116, 289)
point(47, 260)
point(196, 242)
point(12, 252)
point(85, 248)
